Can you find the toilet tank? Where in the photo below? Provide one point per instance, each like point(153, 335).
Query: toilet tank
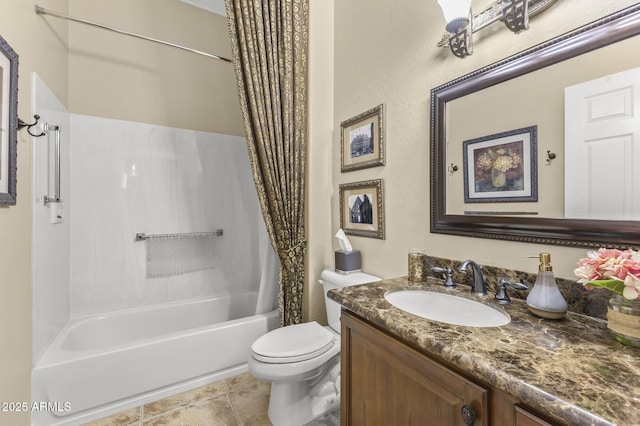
point(331, 279)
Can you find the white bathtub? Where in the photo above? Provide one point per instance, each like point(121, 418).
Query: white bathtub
point(108, 363)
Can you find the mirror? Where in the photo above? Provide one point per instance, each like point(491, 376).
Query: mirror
point(8, 123)
point(526, 78)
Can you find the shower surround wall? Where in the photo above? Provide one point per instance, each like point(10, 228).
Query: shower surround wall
point(131, 177)
point(50, 247)
point(120, 178)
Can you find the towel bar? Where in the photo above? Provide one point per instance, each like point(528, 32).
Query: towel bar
point(141, 236)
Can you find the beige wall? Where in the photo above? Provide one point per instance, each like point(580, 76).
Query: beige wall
point(385, 52)
point(321, 98)
point(39, 52)
point(121, 77)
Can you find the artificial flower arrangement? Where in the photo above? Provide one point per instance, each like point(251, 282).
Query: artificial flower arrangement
point(616, 270)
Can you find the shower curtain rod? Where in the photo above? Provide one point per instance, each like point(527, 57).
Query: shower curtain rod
point(43, 11)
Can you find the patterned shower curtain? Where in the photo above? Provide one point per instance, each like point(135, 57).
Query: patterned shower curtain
point(269, 43)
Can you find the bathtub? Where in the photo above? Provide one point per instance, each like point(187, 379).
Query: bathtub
point(104, 364)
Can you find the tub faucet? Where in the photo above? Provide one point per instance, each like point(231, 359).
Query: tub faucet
point(478, 285)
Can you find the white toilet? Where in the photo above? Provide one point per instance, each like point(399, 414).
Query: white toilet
point(302, 361)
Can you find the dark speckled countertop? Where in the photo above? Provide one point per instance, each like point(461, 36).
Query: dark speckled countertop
point(571, 370)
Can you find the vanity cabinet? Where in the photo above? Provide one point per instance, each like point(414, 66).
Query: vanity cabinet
point(386, 382)
point(526, 418)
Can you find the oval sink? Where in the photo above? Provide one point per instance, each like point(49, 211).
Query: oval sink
point(447, 308)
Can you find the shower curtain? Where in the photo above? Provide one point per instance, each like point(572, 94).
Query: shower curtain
point(269, 42)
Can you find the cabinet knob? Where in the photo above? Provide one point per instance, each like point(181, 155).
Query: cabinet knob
point(468, 415)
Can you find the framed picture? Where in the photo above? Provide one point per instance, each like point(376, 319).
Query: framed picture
point(501, 167)
point(362, 140)
point(362, 209)
point(8, 123)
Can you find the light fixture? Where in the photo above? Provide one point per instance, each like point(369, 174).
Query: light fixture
point(462, 23)
point(456, 13)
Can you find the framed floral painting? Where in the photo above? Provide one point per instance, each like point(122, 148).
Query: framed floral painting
point(501, 167)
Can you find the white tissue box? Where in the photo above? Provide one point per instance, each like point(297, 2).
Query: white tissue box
point(347, 262)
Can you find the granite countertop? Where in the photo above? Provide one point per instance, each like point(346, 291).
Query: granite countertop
point(571, 370)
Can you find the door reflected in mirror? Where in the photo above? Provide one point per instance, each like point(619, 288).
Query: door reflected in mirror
point(602, 147)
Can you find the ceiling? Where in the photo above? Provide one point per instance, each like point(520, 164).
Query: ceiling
point(214, 6)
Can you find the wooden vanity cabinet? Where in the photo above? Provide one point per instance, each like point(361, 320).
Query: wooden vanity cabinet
point(386, 382)
point(526, 418)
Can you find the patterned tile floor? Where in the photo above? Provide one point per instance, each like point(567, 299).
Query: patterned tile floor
point(239, 400)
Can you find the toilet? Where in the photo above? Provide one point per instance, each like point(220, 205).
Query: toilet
point(302, 361)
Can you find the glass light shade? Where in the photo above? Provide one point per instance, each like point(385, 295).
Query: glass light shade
point(455, 11)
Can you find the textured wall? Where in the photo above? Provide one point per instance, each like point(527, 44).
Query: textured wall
point(385, 52)
point(127, 78)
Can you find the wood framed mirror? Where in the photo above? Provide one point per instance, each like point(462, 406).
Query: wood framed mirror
point(8, 123)
point(533, 222)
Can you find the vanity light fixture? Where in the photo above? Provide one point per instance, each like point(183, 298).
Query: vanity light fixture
point(462, 23)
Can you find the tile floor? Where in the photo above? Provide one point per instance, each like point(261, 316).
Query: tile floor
point(239, 400)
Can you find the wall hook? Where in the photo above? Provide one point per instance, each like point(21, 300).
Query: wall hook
point(550, 156)
point(22, 124)
point(452, 169)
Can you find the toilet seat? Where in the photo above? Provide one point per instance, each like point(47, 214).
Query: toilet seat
point(294, 343)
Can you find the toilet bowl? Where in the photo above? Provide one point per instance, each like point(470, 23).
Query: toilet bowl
point(302, 361)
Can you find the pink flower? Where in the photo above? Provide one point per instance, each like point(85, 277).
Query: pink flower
point(611, 265)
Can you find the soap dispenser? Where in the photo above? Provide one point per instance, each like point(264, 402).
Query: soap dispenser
point(545, 300)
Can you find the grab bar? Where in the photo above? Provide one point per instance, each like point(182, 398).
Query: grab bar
point(56, 198)
point(141, 236)
point(43, 129)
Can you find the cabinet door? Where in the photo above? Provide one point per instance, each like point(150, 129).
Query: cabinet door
point(525, 418)
point(386, 382)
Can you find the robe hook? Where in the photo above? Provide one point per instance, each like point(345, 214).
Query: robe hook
point(22, 124)
point(550, 156)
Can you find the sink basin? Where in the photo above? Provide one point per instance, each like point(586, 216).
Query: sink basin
point(447, 308)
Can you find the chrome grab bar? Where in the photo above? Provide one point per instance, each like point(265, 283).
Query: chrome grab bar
point(56, 198)
point(141, 236)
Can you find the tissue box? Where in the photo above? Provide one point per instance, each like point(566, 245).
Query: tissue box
point(348, 261)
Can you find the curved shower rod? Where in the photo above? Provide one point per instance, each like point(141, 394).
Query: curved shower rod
point(43, 11)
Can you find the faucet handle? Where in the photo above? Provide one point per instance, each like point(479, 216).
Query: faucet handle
point(502, 296)
point(449, 282)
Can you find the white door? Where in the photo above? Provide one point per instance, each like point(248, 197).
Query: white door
point(602, 148)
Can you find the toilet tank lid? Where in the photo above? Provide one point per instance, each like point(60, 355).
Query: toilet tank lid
point(342, 280)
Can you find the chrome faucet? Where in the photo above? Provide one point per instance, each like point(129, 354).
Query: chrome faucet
point(478, 285)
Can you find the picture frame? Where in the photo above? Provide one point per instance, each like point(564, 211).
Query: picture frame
point(501, 167)
point(362, 140)
point(8, 123)
point(362, 208)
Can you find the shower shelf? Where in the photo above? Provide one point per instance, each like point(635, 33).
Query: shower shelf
point(141, 236)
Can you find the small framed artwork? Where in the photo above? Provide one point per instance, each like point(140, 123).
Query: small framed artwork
point(501, 167)
point(362, 140)
point(362, 209)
